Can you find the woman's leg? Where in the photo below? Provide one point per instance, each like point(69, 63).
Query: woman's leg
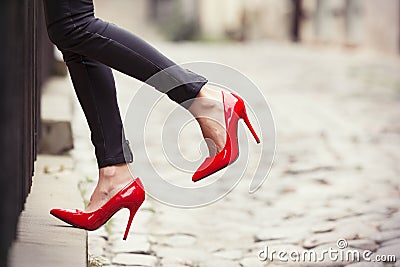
point(95, 88)
point(72, 27)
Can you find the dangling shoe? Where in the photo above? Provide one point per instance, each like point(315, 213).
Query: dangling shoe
point(130, 197)
point(234, 110)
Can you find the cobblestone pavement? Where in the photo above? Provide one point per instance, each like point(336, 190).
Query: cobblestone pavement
point(336, 172)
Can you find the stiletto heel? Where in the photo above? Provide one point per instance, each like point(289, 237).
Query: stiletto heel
point(247, 121)
point(234, 110)
point(128, 226)
point(131, 196)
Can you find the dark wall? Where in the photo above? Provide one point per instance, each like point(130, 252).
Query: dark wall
point(25, 61)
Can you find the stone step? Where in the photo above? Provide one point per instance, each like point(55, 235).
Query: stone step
point(56, 115)
point(42, 240)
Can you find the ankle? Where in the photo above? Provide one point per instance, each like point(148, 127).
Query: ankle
point(206, 102)
point(208, 93)
point(108, 172)
point(114, 175)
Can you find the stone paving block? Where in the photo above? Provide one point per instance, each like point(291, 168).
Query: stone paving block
point(323, 227)
point(135, 260)
point(273, 233)
point(345, 229)
point(180, 240)
point(229, 254)
point(386, 235)
point(319, 239)
point(391, 242)
point(174, 262)
point(363, 244)
point(134, 244)
point(182, 254)
point(390, 225)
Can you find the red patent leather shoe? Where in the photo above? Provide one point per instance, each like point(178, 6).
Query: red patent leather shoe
point(234, 110)
point(130, 197)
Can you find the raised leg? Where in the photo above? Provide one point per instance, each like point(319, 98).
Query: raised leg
point(72, 27)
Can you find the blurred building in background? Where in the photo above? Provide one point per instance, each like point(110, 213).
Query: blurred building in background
point(370, 23)
point(355, 23)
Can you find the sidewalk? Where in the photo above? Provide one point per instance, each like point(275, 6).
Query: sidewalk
point(42, 240)
point(336, 172)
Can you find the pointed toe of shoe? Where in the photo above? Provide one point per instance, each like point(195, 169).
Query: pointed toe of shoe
point(201, 172)
point(66, 215)
point(209, 166)
point(196, 177)
point(131, 197)
point(57, 212)
point(62, 212)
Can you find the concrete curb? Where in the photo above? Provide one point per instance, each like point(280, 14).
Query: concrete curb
point(43, 240)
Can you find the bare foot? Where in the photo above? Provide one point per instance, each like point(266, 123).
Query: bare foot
point(111, 180)
point(208, 109)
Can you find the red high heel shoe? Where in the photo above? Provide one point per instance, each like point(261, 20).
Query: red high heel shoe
point(130, 197)
point(234, 110)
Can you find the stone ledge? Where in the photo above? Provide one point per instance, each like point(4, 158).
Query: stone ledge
point(56, 115)
point(42, 240)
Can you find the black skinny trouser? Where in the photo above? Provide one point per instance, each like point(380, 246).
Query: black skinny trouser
point(90, 47)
